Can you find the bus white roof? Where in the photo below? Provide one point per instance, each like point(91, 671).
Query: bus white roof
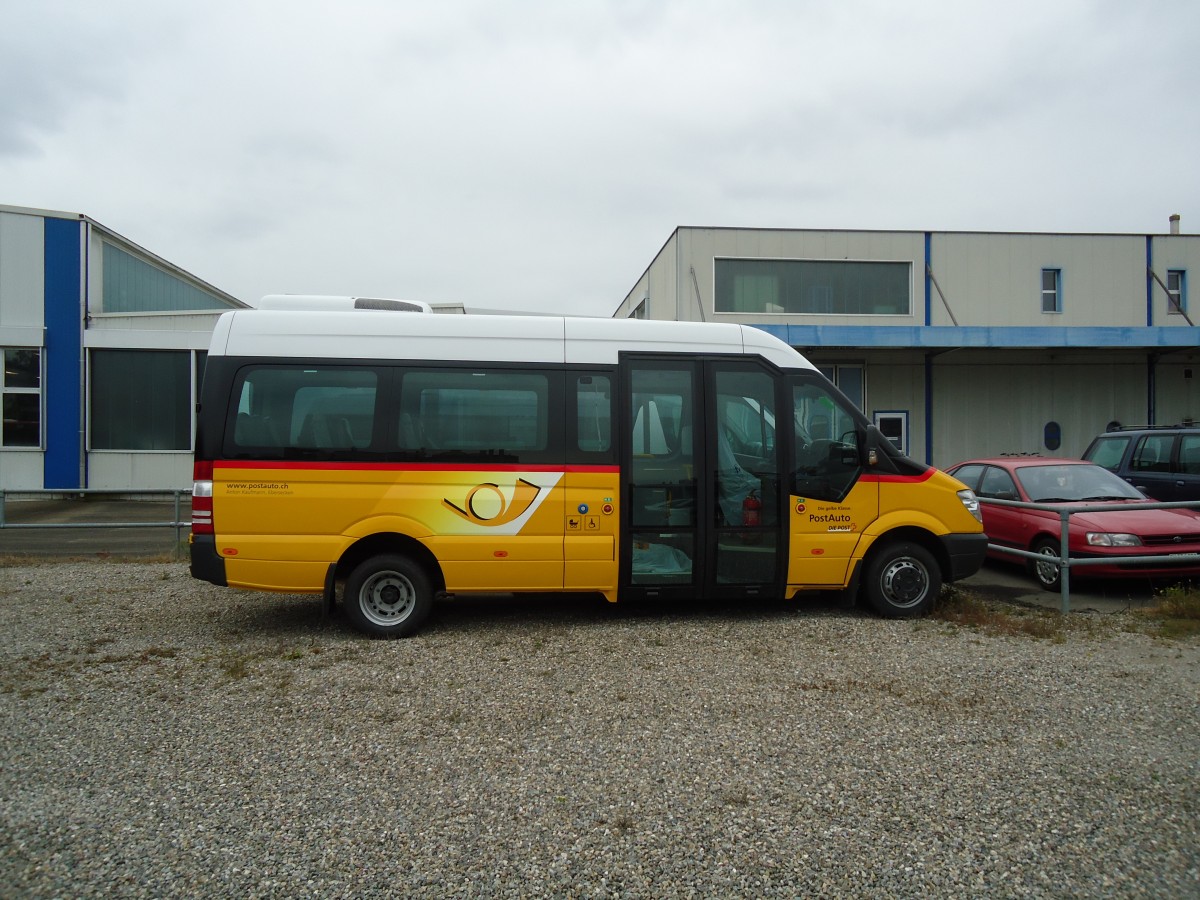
point(370, 334)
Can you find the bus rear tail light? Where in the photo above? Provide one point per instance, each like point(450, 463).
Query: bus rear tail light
point(202, 504)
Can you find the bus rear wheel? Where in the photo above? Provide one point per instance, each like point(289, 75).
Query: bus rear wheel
point(902, 580)
point(388, 596)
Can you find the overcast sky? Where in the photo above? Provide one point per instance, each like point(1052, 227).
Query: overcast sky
point(536, 154)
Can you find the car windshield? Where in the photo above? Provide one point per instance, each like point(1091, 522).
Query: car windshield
point(1107, 452)
point(1069, 483)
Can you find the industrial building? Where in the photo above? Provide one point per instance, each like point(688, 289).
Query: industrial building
point(958, 344)
point(104, 346)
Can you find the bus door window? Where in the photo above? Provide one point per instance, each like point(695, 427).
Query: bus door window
point(746, 457)
point(747, 483)
point(827, 461)
point(662, 476)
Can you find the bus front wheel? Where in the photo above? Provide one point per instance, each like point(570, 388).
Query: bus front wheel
point(902, 580)
point(388, 596)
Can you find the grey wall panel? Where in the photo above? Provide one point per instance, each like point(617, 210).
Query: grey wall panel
point(1176, 252)
point(22, 271)
point(995, 279)
point(1176, 390)
point(1003, 405)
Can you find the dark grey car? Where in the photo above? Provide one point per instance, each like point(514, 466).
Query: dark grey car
point(1162, 462)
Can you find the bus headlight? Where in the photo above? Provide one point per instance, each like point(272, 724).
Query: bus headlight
point(971, 502)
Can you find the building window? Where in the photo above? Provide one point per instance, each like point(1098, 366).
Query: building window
point(639, 311)
point(141, 399)
point(1176, 291)
point(894, 426)
point(21, 388)
point(814, 287)
point(133, 285)
point(1051, 290)
point(850, 380)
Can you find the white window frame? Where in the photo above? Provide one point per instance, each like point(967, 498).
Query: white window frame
point(833, 371)
point(1176, 292)
point(5, 391)
point(899, 415)
point(1054, 295)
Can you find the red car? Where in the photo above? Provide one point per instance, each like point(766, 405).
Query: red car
point(1105, 529)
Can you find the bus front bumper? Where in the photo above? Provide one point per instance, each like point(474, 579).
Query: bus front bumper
point(966, 553)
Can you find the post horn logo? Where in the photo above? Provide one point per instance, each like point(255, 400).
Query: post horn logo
point(486, 504)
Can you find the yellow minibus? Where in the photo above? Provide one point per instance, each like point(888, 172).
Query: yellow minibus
point(389, 458)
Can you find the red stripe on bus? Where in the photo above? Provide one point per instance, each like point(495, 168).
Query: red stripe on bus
point(900, 479)
point(404, 467)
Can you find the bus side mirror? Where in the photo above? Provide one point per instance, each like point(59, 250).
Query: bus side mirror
point(873, 440)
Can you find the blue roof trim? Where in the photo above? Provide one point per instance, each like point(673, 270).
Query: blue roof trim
point(944, 336)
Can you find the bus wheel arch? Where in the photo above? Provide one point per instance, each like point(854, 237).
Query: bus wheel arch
point(903, 575)
point(390, 544)
point(390, 585)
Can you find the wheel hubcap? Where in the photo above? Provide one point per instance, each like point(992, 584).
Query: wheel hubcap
point(387, 598)
point(1047, 571)
point(905, 583)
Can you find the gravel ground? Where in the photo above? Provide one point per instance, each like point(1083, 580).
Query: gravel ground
point(169, 738)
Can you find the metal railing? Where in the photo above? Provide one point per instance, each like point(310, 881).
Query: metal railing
point(181, 497)
point(1066, 562)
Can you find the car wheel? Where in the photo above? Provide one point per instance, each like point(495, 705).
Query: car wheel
point(902, 580)
point(1047, 574)
point(388, 596)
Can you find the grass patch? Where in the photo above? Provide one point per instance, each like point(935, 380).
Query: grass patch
point(1175, 613)
point(967, 610)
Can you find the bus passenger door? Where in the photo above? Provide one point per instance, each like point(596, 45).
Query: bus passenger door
point(749, 542)
point(831, 502)
point(661, 544)
point(703, 507)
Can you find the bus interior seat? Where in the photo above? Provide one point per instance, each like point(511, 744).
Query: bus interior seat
point(254, 431)
point(325, 432)
point(649, 435)
point(734, 482)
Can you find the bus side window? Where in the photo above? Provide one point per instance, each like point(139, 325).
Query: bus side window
point(826, 464)
point(593, 401)
point(285, 410)
point(484, 414)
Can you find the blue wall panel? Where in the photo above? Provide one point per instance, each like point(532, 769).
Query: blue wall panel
point(63, 391)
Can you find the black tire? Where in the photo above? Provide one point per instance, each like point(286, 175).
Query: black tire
point(902, 580)
point(388, 596)
point(1048, 574)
